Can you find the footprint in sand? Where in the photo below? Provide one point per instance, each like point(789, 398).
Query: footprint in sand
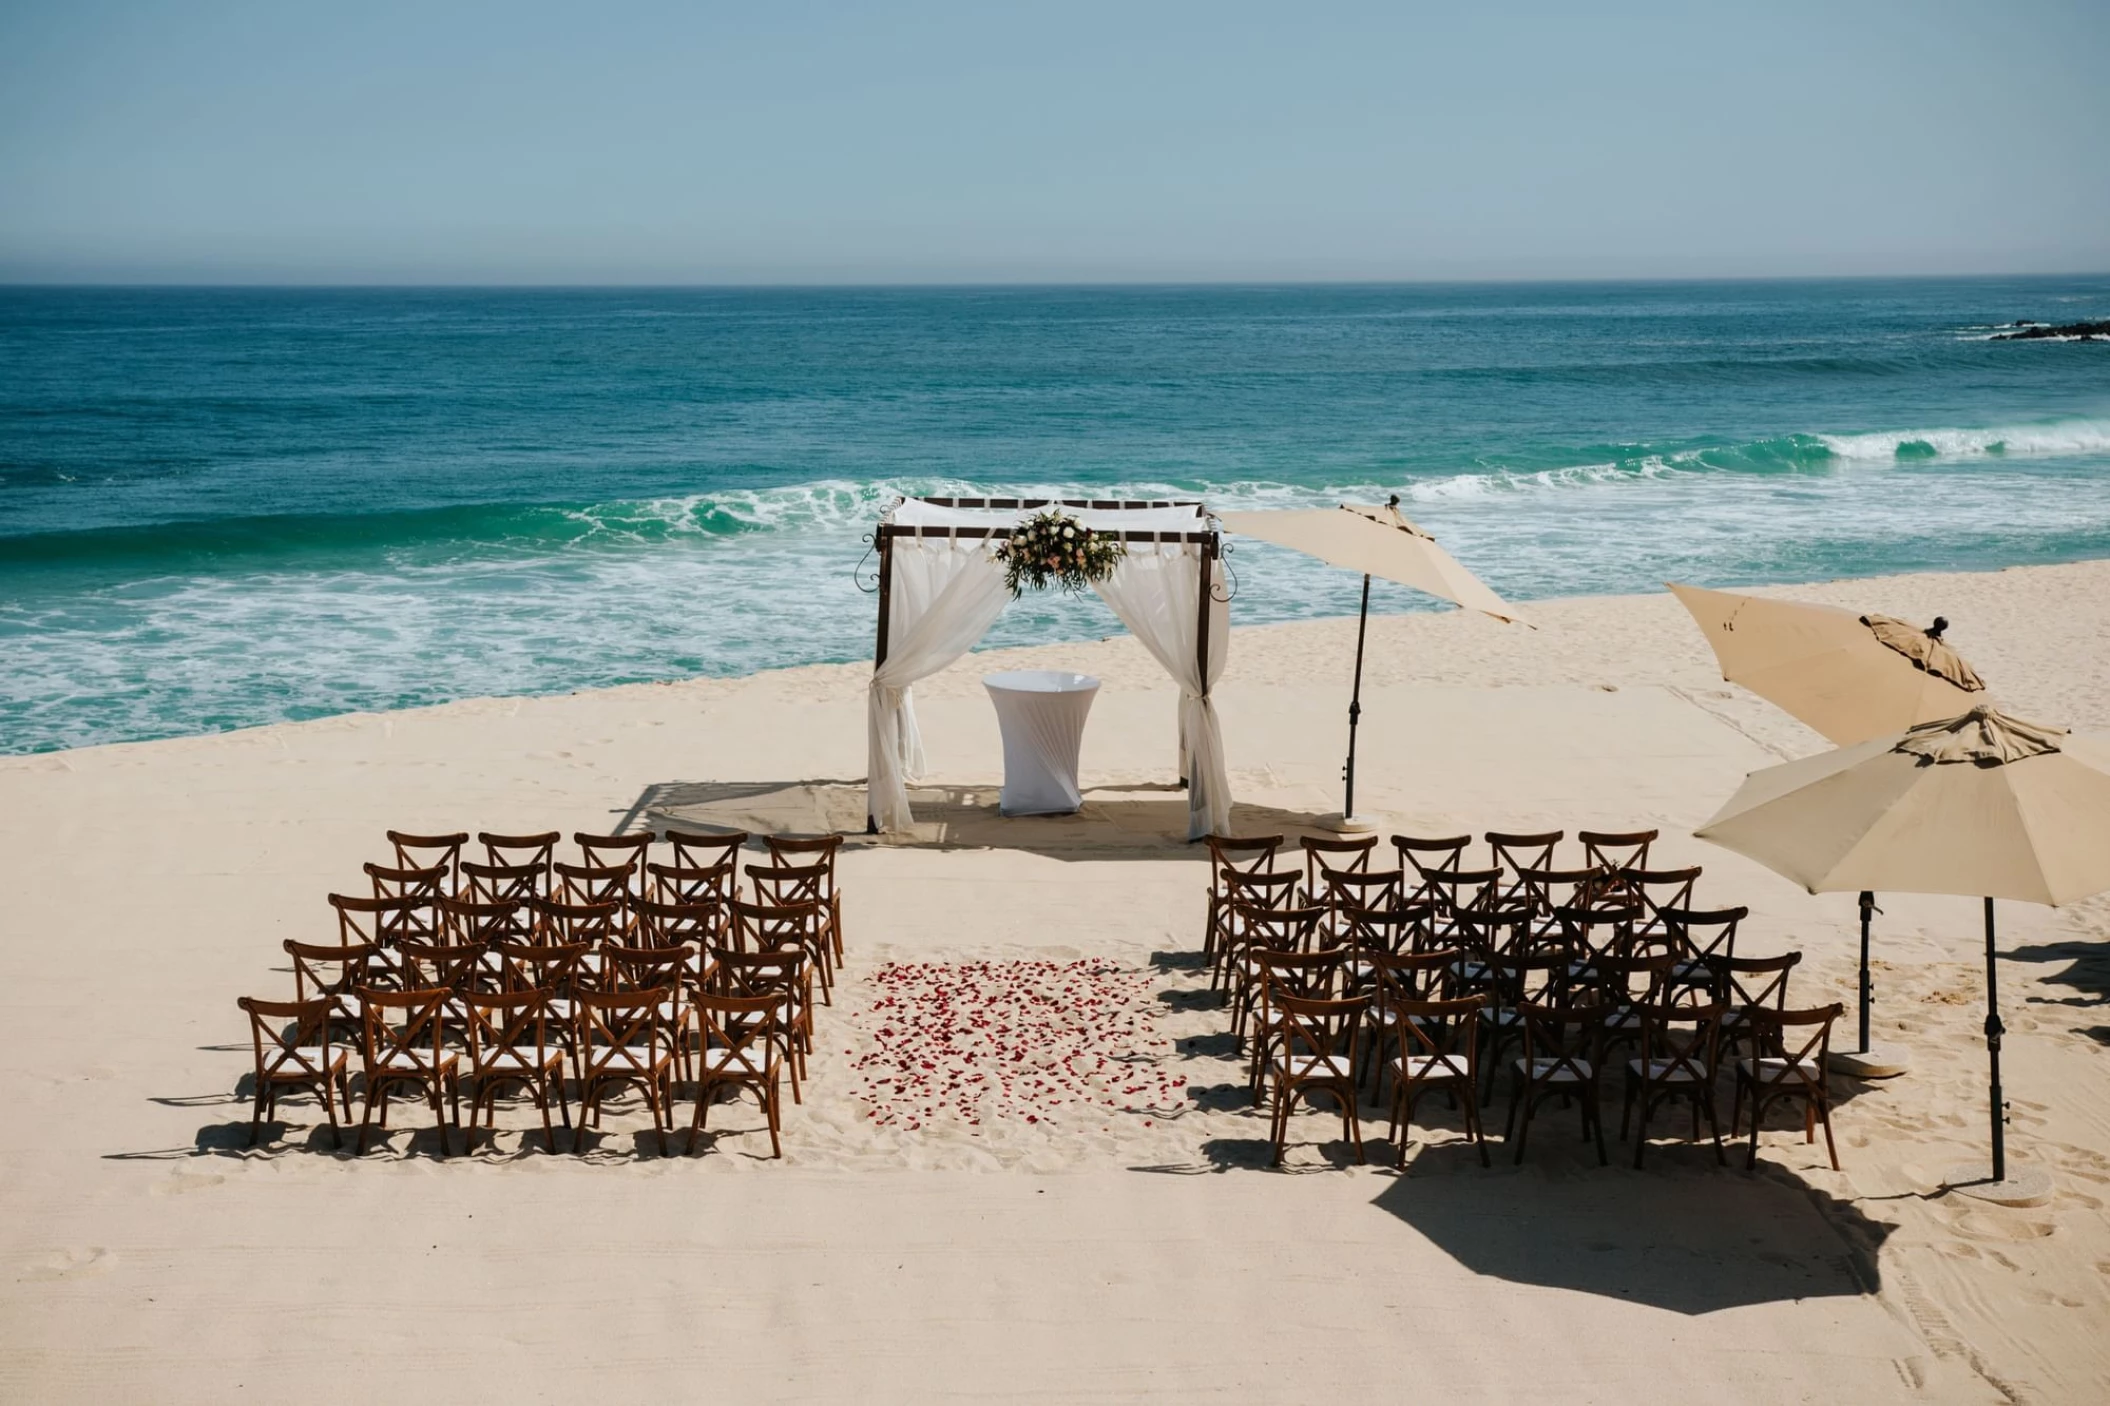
point(78, 1262)
point(177, 1183)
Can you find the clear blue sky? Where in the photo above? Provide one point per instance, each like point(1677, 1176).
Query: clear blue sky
point(786, 142)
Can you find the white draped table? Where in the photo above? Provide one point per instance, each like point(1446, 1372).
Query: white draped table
point(1041, 713)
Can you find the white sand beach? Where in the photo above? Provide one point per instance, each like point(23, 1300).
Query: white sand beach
point(1089, 1236)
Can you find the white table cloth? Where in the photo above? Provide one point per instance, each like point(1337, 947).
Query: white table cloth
point(1041, 713)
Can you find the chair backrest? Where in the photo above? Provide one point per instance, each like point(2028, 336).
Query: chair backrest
point(427, 966)
point(1405, 928)
point(1415, 976)
point(1262, 890)
point(1324, 856)
point(1319, 1027)
point(1598, 932)
point(592, 923)
point(1630, 980)
point(761, 927)
point(1567, 1036)
point(514, 850)
point(696, 850)
point(428, 851)
point(421, 884)
point(380, 921)
point(292, 1038)
point(1250, 854)
point(590, 883)
point(1458, 891)
point(1658, 889)
point(777, 885)
point(644, 968)
point(739, 1035)
point(328, 970)
point(1544, 890)
point(540, 966)
point(614, 851)
point(796, 850)
point(1702, 936)
point(1518, 981)
point(681, 883)
point(508, 1021)
point(1517, 852)
point(1685, 1039)
point(1800, 1038)
point(1368, 889)
point(610, 1022)
point(402, 1030)
point(1278, 929)
point(1445, 1029)
point(782, 973)
point(671, 924)
point(1426, 857)
point(1612, 851)
point(503, 883)
point(473, 924)
point(1504, 932)
point(1314, 975)
point(1754, 983)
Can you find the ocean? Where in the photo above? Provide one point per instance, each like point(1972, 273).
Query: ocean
point(225, 507)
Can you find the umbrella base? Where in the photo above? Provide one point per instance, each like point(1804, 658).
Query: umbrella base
point(1875, 1062)
point(2024, 1186)
point(1346, 824)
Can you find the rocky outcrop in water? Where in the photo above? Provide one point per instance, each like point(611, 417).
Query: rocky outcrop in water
point(2044, 331)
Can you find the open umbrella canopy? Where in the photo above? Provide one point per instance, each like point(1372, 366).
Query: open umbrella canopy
point(1982, 805)
point(1851, 677)
point(1378, 542)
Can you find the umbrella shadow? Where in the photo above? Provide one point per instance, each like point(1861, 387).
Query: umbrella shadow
point(2087, 972)
point(1683, 1235)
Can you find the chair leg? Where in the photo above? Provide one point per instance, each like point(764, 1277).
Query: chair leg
point(776, 1147)
point(1475, 1127)
point(1594, 1116)
point(1824, 1112)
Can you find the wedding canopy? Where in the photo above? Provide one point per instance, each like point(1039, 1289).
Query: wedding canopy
point(941, 588)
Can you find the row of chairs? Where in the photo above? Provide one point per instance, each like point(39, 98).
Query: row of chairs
point(444, 977)
point(1432, 991)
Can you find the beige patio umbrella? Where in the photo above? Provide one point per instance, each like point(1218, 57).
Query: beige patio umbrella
point(1376, 542)
point(1982, 804)
point(1850, 677)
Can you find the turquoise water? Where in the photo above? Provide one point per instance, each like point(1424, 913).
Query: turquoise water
point(221, 508)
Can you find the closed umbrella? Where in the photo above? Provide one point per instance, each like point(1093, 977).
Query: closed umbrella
point(1375, 542)
point(1982, 804)
point(1848, 676)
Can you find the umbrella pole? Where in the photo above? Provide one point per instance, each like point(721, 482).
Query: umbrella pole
point(1868, 908)
point(1355, 703)
point(1993, 1032)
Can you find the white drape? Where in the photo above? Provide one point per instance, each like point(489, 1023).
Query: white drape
point(945, 595)
point(1156, 593)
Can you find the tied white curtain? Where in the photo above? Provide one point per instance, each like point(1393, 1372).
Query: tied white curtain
point(944, 596)
point(1156, 591)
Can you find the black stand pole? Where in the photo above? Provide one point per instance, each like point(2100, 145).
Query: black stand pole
point(1355, 702)
point(1868, 911)
point(1993, 1031)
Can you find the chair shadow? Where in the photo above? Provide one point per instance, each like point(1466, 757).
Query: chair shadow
point(1682, 1234)
point(1134, 821)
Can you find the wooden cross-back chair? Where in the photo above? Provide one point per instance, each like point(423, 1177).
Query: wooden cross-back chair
point(787, 885)
point(668, 969)
point(323, 972)
point(1483, 938)
point(554, 921)
point(1397, 977)
point(1591, 933)
point(1700, 936)
point(1609, 852)
point(696, 850)
point(1793, 1047)
point(514, 1042)
point(1369, 890)
point(1245, 892)
point(1746, 986)
point(380, 921)
point(623, 1042)
point(1435, 1046)
point(1371, 931)
point(1514, 980)
point(614, 851)
point(1655, 891)
point(740, 1049)
point(1543, 892)
point(591, 883)
point(503, 883)
point(1560, 1060)
point(428, 851)
point(515, 850)
point(404, 1043)
point(472, 923)
point(1257, 930)
point(656, 924)
point(295, 1050)
point(1314, 1051)
point(554, 969)
point(764, 927)
point(786, 912)
point(1323, 856)
point(679, 883)
point(795, 851)
point(1515, 853)
point(1228, 854)
point(1313, 975)
point(787, 975)
point(1624, 985)
point(421, 888)
point(1679, 1059)
point(1460, 892)
point(1430, 857)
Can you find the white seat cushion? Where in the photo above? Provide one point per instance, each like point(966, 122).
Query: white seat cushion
point(1663, 1071)
point(1772, 1069)
point(279, 1062)
point(1431, 1067)
point(1577, 1071)
point(1314, 1067)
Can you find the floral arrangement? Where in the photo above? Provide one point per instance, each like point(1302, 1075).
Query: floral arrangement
point(1053, 548)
